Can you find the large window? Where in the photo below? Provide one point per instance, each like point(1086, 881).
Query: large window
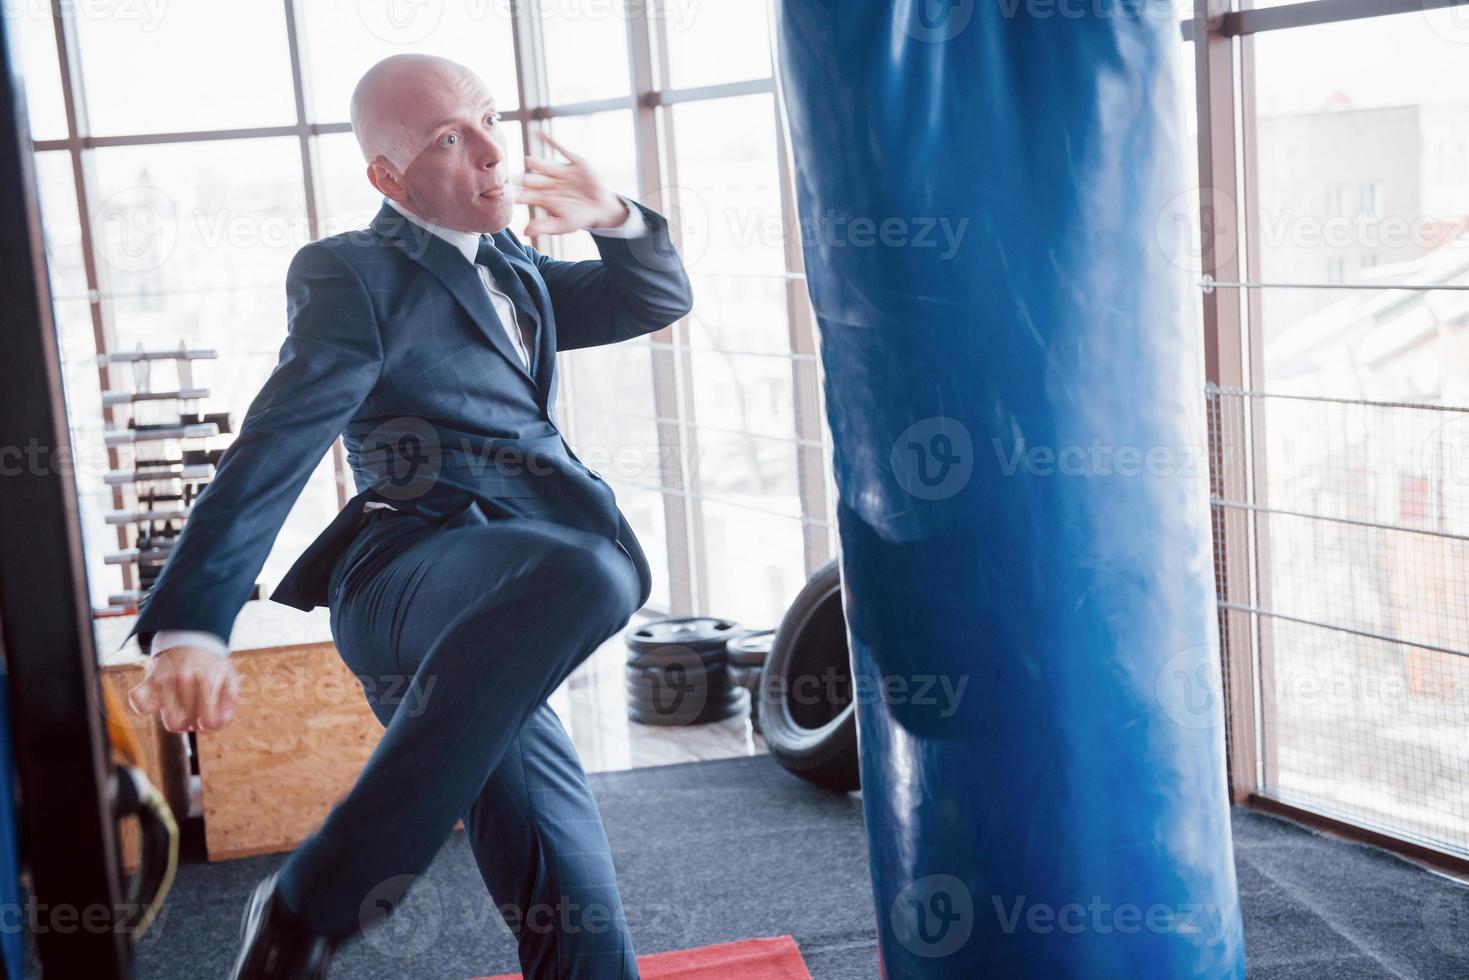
point(174, 196)
point(1337, 308)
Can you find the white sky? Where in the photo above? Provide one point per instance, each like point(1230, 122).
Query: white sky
point(1418, 58)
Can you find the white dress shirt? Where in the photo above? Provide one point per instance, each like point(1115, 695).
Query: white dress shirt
point(467, 244)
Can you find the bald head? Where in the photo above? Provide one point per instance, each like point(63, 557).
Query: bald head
point(433, 142)
point(394, 103)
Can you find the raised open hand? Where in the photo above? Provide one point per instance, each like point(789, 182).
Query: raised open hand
point(569, 195)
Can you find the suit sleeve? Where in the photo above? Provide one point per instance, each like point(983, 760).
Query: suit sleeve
point(637, 286)
point(329, 362)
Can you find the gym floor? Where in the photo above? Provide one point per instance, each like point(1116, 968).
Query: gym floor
point(711, 852)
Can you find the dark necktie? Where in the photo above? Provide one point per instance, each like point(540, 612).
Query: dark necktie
point(509, 283)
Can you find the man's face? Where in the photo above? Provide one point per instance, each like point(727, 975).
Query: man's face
point(457, 176)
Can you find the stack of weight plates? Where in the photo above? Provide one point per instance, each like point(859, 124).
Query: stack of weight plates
point(746, 654)
point(676, 672)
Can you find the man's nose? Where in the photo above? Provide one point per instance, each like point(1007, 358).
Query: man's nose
point(490, 154)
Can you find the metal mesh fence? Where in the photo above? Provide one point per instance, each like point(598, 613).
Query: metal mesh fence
point(1356, 523)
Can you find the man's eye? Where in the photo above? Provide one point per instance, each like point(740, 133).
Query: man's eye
point(492, 119)
point(449, 139)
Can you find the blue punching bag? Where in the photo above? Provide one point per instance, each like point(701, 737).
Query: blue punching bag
point(1016, 400)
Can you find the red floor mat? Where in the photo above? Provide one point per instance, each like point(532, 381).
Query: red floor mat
point(775, 958)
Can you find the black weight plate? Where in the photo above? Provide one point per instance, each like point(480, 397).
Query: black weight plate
point(690, 658)
point(692, 632)
point(667, 688)
point(750, 649)
point(677, 673)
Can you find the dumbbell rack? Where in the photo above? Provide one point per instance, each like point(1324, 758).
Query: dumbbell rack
point(170, 461)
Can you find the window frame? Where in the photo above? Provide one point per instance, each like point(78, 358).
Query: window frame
point(1223, 58)
point(649, 100)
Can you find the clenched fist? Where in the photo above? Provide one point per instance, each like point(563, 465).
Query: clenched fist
point(191, 689)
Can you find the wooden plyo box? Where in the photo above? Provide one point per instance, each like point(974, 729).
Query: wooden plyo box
point(299, 738)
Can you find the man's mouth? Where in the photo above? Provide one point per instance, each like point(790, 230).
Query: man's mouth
point(496, 192)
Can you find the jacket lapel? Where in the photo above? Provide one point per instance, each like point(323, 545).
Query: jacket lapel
point(458, 276)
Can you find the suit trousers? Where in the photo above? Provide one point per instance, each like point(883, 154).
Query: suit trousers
point(458, 636)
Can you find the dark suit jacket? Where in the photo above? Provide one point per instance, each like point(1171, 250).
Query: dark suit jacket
point(393, 343)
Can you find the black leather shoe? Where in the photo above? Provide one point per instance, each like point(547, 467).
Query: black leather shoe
point(275, 944)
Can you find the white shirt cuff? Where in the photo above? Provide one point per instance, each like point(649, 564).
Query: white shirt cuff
point(164, 639)
point(633, 227)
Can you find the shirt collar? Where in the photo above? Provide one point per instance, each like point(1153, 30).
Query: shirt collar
point(466, 243)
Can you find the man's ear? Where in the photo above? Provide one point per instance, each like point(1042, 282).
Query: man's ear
point(380, 175)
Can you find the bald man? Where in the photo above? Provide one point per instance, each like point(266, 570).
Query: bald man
point(480, 561)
